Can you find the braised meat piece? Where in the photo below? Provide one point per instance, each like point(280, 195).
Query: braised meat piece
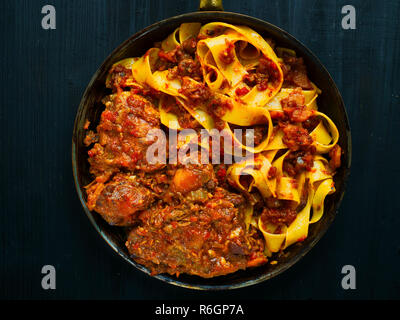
point(295, 72)
point(278, 216)
point(207, 240)
point(297, 162)
point(294, 107)
point(119, 200)
point(181, 61)
point(119, 75)
point(123, 135)
point(265, 73)
point(296, 138)
point(195, 92)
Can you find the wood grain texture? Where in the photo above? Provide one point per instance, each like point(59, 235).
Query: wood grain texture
point(44, 74)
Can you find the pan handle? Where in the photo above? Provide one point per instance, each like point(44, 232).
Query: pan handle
point(211, 5)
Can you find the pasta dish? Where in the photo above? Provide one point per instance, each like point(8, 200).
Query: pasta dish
point(211, 152)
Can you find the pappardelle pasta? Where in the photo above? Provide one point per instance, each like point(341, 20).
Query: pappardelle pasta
point(210, 219)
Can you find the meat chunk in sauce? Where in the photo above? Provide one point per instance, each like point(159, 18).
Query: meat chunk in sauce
point(296, 138)
point(294, 108)
point(195, 92)
point(206, 240)
point(181, 61)
point(278, 212)
point(278, 216)
point(297, 162)
point(123, 135)
point(295, 72)
point(119, 200)
point(118, 77)
point(264, 75)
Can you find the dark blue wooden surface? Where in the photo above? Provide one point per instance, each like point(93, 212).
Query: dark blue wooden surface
point(43, 75)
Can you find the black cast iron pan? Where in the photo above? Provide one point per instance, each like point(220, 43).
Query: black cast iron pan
point(330, 102)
